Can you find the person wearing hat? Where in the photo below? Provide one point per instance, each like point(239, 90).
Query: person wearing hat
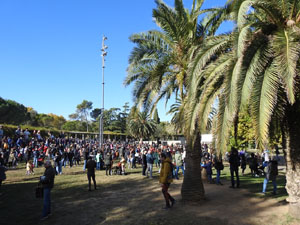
point(48, 182)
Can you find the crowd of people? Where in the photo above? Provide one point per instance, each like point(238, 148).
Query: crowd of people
point(116, 157)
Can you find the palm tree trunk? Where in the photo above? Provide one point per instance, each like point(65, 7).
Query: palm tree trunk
point(293, 157)
point(192, 187)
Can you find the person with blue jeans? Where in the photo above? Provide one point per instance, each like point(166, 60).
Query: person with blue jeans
point(218, 166)
point(208, 167)
point(85, 158)
point(58, 163)
point(98, 161)
point(271, 174)
point(35, 157)
point(48, 182)
point(234, 160)
point(179, 163)
point(150, 161)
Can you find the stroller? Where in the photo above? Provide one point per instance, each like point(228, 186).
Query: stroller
point(117, 170)
point(261, 171)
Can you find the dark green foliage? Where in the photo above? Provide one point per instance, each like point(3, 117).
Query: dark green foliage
point(12, 112)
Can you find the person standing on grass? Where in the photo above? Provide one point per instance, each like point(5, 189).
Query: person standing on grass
point(243, 163)
point(234, 161)
point(150, 161)
point(218, 163)
point(253, 165)
point(91, 165)
point(48, 182)
point(179, 163)
point(165, 179)
point(271, 174)
point(98, 160)
point(85, 157)
point(108, 163)
point(144, 162)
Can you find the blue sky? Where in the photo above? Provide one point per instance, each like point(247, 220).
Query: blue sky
point(50, 56)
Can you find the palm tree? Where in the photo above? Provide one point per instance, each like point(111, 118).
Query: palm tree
point(158, 67)
point(256, 65)
point(140, 125)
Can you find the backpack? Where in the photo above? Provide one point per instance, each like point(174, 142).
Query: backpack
point(273, 168)
point(219, 166)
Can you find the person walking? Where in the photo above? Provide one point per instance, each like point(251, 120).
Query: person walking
point(91, 165)
point(271, 174)
point(48, 182)
point(234, 161)
point(165, 179)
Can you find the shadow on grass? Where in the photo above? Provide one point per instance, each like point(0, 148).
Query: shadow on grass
point(255, 184)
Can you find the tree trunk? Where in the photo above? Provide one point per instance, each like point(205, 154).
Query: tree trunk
point(192, 187)
point(293, 157)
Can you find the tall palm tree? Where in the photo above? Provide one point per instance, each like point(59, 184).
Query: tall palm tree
point(140, 125)
point(158, 67)
point(257, 65)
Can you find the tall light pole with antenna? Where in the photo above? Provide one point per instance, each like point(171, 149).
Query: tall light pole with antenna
point(104, 53)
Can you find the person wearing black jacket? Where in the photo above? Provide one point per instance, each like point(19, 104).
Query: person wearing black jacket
point(70, 157)
point(85, 157)
point(234, 161)
point(48, 182)
point(91, 165)
point(144, 162)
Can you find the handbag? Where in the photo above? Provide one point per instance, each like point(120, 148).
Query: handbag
point(39, 191)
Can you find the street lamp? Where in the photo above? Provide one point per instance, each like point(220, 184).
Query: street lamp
point(104, 53)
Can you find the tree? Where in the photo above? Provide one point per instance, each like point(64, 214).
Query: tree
point(140, 125)
point(123, 117)
point(82, 112)
point(257, 64)
point(58, 121)
point(156, 117)
point(12, 112)
point(158, 66)
point(95, 113)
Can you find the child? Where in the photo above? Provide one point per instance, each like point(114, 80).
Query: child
point(29, 168)
point(123, 162)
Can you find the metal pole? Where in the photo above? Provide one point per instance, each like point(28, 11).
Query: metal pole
point(101, 131)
